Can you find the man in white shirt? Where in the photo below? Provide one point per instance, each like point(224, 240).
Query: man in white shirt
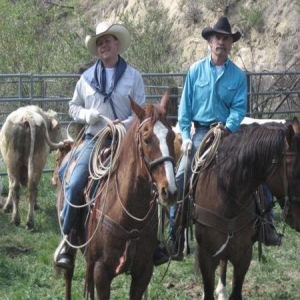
point(102, 90)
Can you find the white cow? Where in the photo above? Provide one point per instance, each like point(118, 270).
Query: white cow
point(26, 138)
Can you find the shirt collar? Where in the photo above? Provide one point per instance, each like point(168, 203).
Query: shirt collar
point(213, 64)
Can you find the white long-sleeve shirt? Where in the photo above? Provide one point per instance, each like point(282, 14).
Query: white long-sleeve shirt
point(85, 98)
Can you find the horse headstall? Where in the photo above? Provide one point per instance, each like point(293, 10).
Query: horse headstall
point(150, 164)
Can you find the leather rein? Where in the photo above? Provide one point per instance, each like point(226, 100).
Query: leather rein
point(287, 200)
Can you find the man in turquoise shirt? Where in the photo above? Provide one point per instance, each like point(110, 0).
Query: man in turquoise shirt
point(213, 93)
point(215, 90)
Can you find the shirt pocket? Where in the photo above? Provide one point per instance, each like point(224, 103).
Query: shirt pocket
point(227, 92)
point(202, 90)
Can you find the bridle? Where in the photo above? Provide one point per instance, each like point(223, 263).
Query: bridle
point(287, 200)
point(150, 164)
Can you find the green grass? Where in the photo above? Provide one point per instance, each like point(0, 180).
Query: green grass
point(27, 270)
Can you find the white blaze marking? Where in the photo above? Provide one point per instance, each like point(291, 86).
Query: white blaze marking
point(221, 291)
point(161, 132)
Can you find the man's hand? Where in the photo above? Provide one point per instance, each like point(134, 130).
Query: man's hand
point(92, 116)
point(186, 146)
point(225, 130)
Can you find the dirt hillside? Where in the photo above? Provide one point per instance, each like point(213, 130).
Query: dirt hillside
point(270, 28)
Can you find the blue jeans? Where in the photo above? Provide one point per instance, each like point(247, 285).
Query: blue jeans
point(78, 181)
point(269, 200)
point(184, 167)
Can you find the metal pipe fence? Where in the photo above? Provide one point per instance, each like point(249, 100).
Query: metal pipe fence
point(270, 94)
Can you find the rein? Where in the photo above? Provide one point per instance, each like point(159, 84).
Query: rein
point(287, 200)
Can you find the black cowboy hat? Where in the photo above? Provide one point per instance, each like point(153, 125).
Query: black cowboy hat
point(223, 27)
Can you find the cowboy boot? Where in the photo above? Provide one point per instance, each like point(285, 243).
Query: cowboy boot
point(62, 258)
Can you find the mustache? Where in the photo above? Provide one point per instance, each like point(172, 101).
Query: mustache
point(220, 48)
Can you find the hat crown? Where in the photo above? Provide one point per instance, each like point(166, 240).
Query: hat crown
point(223, 25)
point(102, 27)
point(118, 30)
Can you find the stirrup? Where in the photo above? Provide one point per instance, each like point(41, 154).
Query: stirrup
point(268, 235)
point(272, 237)
point(61, 257)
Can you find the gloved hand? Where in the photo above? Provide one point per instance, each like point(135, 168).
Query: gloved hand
point(92, 116)
point(224, 129)
point(186, 146)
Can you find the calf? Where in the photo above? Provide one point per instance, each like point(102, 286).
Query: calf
point(26, 138)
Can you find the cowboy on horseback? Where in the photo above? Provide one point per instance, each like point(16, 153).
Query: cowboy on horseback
point(215, 92)
point(101, 92)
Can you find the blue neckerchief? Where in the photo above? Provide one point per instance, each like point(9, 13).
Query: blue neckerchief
point(96, 78)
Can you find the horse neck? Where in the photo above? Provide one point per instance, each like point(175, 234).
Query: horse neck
point(277, 183)
point(211, 194)
point(132, 178)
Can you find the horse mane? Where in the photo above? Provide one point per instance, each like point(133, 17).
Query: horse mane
point(247, 157)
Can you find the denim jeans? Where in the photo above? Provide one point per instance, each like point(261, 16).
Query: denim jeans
point(269, 200)
point(78, 181)
point(182, 179)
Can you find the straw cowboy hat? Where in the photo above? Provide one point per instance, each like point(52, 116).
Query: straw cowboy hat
point(223, 27)
point(103, 28)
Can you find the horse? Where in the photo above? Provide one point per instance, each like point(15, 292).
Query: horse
point(224, 207)
point(121, 234)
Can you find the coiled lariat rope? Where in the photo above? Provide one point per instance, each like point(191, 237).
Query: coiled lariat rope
point(98, 168)
point(203, 157)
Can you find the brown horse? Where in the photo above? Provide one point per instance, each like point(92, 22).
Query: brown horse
point(224, 207)
point(123, 223)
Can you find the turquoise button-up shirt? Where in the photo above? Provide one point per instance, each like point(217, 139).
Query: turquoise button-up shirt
point(209, 96)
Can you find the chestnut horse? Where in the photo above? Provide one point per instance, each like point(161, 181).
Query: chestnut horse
point(224, 209)
point(123, 221)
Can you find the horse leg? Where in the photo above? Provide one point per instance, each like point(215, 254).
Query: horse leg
point(139, 283)
point(102, 281)
point(240, 268)
point(221, 288)
point(68, 274)
point(207, 267)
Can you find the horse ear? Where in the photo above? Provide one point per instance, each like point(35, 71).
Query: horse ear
point(289, 134)
point(164, 102)
point(138, 110)
point(296, 125)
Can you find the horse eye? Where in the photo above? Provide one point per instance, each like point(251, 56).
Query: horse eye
point(148, 141)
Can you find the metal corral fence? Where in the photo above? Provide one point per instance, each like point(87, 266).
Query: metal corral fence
point(270, 94)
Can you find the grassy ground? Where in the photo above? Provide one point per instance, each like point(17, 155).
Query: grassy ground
point(27, 270)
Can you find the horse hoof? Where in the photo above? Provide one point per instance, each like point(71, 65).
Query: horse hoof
point(37, 206)
point(16, 222)
point(7, 209)
point(30, 226)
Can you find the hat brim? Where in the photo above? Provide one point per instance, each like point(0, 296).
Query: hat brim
point(208, 31)
point(117, 30)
